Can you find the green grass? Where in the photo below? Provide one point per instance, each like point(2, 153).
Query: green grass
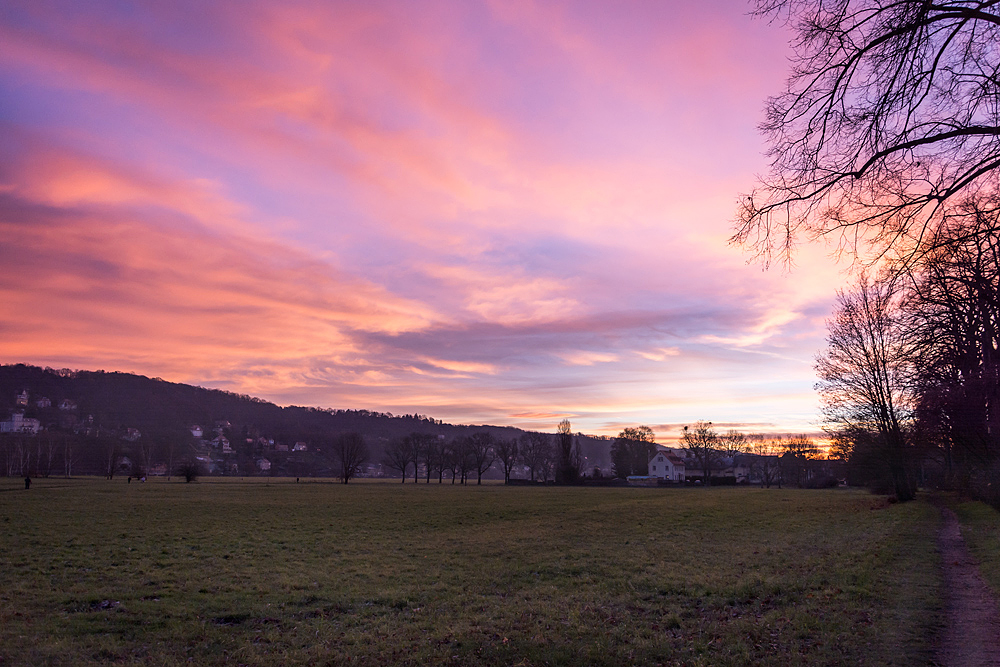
point(261, 573)
point(981, 531)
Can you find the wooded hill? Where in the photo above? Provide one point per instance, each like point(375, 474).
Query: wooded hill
point(96, 408)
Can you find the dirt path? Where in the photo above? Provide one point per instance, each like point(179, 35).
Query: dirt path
point(972, 634)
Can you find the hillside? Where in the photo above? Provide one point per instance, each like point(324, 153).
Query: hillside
point(152, 419)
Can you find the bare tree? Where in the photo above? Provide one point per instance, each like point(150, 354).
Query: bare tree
point(51, 448)
point(733, 443)
point(482, 452)
point(113, 455)
point(701, 443)
point(507, 452)
point(452, 457)
point(764, 463)
point(953, 311)
point(351, 453)
point(144, 448)
point(863, 375)
point(70, 454)
point(431, 449)
point(442, 461)
point(796, 453)
point(463, 458)
point(536, 452)
point(889, 117)
point(397, 457)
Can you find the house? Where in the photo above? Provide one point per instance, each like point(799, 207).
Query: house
point(43, 402)
point(19, 424)
point(22, 399)
point(300, 447)
point(263, 465)
point(666, 466)
point(67, 405)
point(196, 431)
point(280, 448)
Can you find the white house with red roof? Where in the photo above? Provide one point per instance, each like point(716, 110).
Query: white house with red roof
point(666, 465)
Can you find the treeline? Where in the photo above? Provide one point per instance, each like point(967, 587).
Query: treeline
point(911, 377)
point(541, 456)
point(106, 423)
point(732, 457)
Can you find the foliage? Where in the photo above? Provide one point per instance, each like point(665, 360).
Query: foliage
point(568, 452)
point(631, 451)
point(262, 572)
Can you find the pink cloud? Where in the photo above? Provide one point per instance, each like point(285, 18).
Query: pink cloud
point(494, 210)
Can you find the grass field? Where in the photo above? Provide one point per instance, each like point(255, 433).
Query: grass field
point(257, 573)
point(981, 531)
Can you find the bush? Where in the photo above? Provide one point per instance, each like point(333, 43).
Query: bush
point(189, 471)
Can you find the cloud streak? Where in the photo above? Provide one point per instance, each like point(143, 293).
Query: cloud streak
point(488, 212)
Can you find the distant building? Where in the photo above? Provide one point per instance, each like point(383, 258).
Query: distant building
point(22, 399)
point(263, 465)
point(43, 402)
point(300, 447)
point(18, 423)
point(665, 465)
point(67, 405)
point(280, 448)
point(196, 431)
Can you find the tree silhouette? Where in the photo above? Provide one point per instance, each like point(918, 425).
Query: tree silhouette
point(702, 442)
point(631, 451)
point(863, 375)
point(889, 119)
point(351, 452)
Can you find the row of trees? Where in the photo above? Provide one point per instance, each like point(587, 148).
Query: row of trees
point(886, 140)
point(911, 377)
point(545, 456)
point(772, 461)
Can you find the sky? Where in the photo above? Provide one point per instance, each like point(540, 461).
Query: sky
point(507, 212)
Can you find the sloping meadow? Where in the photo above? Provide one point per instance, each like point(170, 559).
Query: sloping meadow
point(374, 573)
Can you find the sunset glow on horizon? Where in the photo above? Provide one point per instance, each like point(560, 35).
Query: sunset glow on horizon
point(509, 213)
